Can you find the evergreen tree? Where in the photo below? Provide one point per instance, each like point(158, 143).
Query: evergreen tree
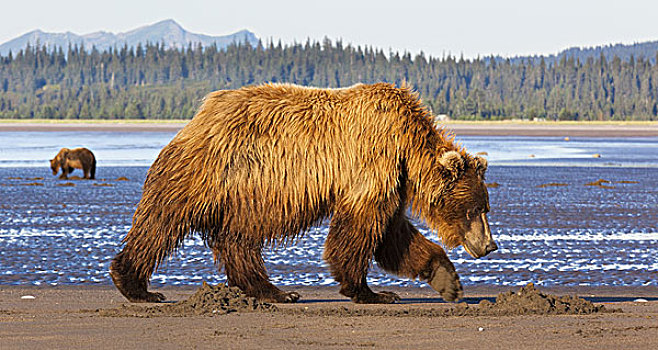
point(151, 81)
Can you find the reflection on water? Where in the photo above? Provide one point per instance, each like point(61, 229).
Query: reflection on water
point(553, 235)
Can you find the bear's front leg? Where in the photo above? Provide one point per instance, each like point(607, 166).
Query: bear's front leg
point(64, 175)
point(348, 251)
point(406, 252)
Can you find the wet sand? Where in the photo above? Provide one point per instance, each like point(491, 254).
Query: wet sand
point(595, 129)
point(72, 317)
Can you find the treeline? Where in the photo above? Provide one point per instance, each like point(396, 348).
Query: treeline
point(150, 81)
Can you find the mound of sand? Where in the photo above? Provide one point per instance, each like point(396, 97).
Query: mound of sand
point(219, 300)
point(207, 301)
point(530, 301)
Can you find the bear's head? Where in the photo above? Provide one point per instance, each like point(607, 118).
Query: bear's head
point(54, 165)
point(459, 205)
point(59, 160)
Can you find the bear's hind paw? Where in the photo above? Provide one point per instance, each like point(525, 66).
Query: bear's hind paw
point(280, 297)
point(154, 297)
point(146, 297)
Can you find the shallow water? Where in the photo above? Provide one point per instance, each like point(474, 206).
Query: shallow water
point(554, 235)
point(33, 149)
point(555, 151)
point(568, 235)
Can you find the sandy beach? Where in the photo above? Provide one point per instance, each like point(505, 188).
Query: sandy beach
point(69, 317)
point(563, 129)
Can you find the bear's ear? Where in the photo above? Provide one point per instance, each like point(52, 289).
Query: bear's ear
point(452, 163)
point(480, 166)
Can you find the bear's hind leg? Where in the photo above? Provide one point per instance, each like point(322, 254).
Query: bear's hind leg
point(85, 170)
point(406, 252)
point(127, 280)
point(245, 269)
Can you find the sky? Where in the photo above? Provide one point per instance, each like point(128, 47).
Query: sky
point(435, 27)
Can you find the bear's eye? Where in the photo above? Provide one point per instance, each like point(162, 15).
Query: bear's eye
point(475, 212)
point(472, 213)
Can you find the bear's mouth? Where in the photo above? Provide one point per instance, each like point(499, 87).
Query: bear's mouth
point(469, 251)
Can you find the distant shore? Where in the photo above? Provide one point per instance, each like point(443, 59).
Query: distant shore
point(503, 128)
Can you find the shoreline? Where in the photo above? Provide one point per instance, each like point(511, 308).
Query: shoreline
point(504, 128)
point(73, 317)
point(424, 294)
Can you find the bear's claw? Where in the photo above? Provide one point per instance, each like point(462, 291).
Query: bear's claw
point(289, 297)
point(447, 283)
point(278, 297)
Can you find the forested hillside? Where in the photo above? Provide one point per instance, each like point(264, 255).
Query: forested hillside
point(150, 81)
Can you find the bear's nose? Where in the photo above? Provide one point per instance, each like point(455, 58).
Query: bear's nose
point(492, 246)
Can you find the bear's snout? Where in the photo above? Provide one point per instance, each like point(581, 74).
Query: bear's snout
point(491, 247)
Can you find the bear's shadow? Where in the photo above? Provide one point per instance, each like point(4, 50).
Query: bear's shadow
point(477, 300)
point(470, 300)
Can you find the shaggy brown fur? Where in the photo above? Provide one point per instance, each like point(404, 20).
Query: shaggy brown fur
point(265, 163)
point(70, 159)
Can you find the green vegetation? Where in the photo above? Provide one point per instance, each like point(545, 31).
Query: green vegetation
point(151, 82)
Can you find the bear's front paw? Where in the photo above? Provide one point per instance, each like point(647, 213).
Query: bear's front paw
point(376, 298)
point(447, 283)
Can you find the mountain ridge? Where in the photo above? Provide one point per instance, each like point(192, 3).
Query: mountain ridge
point(173, 35)
point(168, 31)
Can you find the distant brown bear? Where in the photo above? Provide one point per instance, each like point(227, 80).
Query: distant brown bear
point(265, 163)
point(70, 159)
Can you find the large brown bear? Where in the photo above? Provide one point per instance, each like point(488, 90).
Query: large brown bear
point(70, 159)
point(265, 163)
